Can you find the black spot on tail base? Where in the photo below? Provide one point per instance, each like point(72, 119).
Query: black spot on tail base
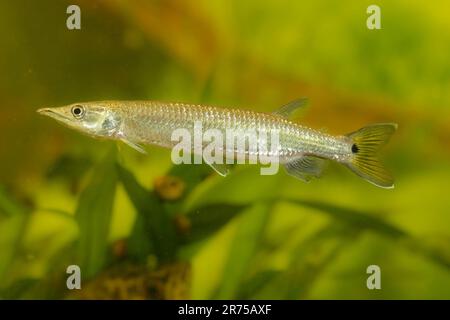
point(355, 148)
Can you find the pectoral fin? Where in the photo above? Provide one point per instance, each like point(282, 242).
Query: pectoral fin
point(134, 145)
point(305, 168)
point(289, 109)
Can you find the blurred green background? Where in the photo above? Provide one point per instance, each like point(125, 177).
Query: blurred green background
point(141, 229)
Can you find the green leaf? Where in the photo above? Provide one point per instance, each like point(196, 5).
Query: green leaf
point(206, 220)
point(357, 218)
point(312, 256)
point(18, 289)
point(253, 285)
point(243, 248)
point(309, 259)
point(69, 166)
point(361, 220)
point(93, 215)
point(8, 207)
point(13, 219)
point(191, 176)
point(153, 231)
point(139, 243)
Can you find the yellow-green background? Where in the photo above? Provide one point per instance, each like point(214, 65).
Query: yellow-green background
point(252, 54)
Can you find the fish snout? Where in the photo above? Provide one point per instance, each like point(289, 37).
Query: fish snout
point(52, 113)
point(43, 110)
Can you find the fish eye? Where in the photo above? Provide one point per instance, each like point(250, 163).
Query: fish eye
point(78, 111)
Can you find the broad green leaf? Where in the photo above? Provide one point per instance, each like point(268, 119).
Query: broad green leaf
point(361, 220)
point(69, 167)
point(139, 243)
point(18, 289)
point(53, 285)
point(206, 220)
point(309, 259)
point(93, 215)
point(313, 256)
point(154, 231)
point(13, 219)
point(190, 176)
point(243, 248)
point(253, 285)
point(8, 207)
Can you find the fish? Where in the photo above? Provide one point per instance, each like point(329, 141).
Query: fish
point(302, 151)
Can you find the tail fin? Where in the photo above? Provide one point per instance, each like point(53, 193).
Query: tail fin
point(366, 143)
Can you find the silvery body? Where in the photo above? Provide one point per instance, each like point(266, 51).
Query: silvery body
point(301, 149)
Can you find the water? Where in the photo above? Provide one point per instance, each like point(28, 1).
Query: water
point(138, 227)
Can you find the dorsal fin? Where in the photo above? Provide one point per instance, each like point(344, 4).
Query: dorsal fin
point(288, 109)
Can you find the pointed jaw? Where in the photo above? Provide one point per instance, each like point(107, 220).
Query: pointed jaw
point(49, 112)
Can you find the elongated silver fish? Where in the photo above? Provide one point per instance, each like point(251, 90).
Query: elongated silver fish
point(301, 150)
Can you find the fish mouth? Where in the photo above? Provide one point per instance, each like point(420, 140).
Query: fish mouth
point(44, 111)
point(49, 112)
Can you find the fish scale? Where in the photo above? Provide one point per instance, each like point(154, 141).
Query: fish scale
point(294, 138)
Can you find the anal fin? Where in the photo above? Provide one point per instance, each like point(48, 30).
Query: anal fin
point(305, 168)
